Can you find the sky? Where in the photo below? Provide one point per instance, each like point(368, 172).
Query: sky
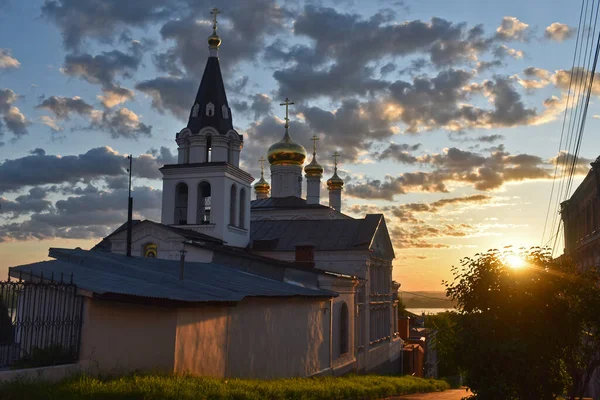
point(447, 114)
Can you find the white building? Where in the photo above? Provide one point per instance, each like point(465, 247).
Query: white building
point(207, 212)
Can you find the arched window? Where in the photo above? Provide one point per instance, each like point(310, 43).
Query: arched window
point(208, 157)
point(344, 329)
point(181, 204)
point(242, 208)
point(150, 250)
point(210, 109)
point(225, 111)
point(232, 204)
point(203, 210)
point(195, 110)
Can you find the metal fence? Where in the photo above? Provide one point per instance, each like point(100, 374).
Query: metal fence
point(40, 321)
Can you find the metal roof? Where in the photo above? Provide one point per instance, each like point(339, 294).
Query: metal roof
point(327, 234)
point(290, 202)
point(108, 273)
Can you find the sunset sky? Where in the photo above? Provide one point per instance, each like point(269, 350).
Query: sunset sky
point(447, 114)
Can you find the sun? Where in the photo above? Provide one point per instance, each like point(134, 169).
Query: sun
point(514, 261)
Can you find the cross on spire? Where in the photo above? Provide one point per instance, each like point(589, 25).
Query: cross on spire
point(214, 12)
point(335, 157)
point(314, 139)
point(261, 160)
point(287, 103)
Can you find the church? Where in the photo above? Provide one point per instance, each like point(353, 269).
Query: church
point(278, 286)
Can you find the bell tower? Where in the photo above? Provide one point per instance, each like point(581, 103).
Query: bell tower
point(206, 190)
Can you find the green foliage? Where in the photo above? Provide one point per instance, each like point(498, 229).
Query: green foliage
point(444, 341)
point(150, 387)
point(7, 330)
point(521, 330)
point(41, 357)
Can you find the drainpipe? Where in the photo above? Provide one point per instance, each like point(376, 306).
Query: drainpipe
point(331, 335)
point(181, 263)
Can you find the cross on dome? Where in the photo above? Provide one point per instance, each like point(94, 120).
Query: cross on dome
point(314, 139)
point(214, 12)
point(335, 157)
point(262, 160)
point(287, 103)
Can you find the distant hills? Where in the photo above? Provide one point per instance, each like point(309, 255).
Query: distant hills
point(425, 300)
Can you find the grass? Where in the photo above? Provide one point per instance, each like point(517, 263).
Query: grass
point(151, 387)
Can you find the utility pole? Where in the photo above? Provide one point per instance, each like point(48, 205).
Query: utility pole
point(129, 210)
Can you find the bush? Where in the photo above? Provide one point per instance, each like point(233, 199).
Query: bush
point(41, 357)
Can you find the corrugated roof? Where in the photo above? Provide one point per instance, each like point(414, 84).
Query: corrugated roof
point(109, 273)
point(329, 234)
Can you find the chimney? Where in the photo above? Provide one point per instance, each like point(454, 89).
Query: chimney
point(305, 254)
point(404, 327)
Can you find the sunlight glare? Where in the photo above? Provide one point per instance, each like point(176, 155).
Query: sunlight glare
point(514, 261)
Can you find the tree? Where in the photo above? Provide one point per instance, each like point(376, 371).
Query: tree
point(528, 333)
point(6, 326)
point(445, 327)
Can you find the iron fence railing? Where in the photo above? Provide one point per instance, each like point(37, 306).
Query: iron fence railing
point(40, 321)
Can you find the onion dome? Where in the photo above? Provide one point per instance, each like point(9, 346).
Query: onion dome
point(262, 186)
point(335, 182)
point(314, 168)
point(214, 41)
point(286, 152)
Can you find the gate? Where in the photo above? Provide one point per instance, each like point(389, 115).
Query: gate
point(40, 322)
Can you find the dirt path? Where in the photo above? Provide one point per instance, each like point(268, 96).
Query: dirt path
point(456, 394)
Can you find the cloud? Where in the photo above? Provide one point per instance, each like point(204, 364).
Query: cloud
point(104, 68)
point(99, 163)
point(34, 201)
point(51, 122)
point(455, 167)
point(64, 107)
point(7, 60)
point(92, 214)
point(489, 138)
point(512, 29)
point(12, 117)
point(115, 95)
point(559, 32)
point(122, 123)
point(503, 51)
point(81, 19)
point(170, 94)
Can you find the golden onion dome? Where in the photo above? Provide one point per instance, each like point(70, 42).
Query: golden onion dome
point(335, 182)
point(286, 152)
point(262, 186)
point(214, 41)
point(314, 168)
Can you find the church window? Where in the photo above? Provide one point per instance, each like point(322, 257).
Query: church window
point(242, 208)
point(344, 331)
point(208, 157)
point(151, 250)
point(181, 203)
point(225, 111)
point(204, 204)
point(210, 109)
point(232, 204)
point(195, 110)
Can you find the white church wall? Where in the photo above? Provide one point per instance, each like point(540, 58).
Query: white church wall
point(307, 213)
point(168, 243)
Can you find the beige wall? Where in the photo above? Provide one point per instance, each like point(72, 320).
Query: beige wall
point(258, 338)
point(273, 338)
point(201, 342)
point(126, 337)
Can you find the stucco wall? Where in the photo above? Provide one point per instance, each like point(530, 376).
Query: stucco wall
point(120, 337)
point(258, 338)
point(201, 342)
point(273, 338)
